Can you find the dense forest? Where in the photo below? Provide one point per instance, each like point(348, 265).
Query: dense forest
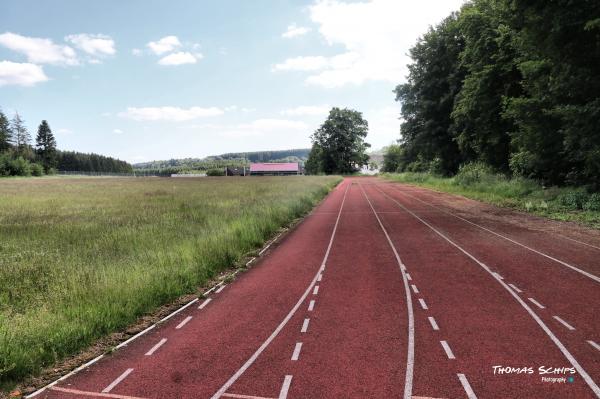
point(18, 157)
point(509, 85)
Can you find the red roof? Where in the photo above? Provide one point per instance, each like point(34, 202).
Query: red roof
point(274, 167)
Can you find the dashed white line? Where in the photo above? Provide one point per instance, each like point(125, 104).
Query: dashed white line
point(184, 322)
point(178, 310)
point(221, 288)
point(297, 350)
point(536, 303)
point(316, 290)
point(564, 323)
point(305, 325)
point(414, 288)
point(117, 381)
point(122, 344)
point(466, 386)
point(499, 276)
point(423, 304)
point(595, 345)
point(433, 323)
point(286, 319)
point(250, 261)
point(408, 277)
point(311, 305)
point(203, 304)
point(320, 277)
point(514, 287)
point(285, 387)
point(155, 347)
point(447, 350)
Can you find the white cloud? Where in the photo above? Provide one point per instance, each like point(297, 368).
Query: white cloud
point(307, 110)
point(21, 74)
point(117, 131)
point(164, 45)
point(64, 131)
point(302, 64)
point(376, 35)
point(294, 31)
point(173, 114)
point(39, 50)
point(179, 58)
point(96, 45)
point(384, 126)
point(137, 52)
point(262, 127)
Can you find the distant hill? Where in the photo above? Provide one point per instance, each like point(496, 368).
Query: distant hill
point(229, 159)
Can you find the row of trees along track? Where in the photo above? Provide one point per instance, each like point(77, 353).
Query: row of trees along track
point(514, 84)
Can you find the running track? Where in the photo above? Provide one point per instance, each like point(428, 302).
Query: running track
point(384, 291)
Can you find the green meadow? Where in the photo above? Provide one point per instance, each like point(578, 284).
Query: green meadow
point(83, 257)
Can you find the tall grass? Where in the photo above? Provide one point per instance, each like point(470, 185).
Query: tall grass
point(80, 258)
point(478, 182)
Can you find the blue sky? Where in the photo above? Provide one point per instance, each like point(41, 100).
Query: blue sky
point(145, 80)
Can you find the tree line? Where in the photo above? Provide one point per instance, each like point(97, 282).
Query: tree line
point(18, 157)
point(511, 84)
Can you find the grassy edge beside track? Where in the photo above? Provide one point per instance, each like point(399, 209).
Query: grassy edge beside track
point(34, 335)
point(558, 203)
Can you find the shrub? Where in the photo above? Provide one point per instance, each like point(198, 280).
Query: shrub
point(592, 203)
point(215, 172)
point(573, 200)
point(474, 172)
point(19, 167)
point(37, 169)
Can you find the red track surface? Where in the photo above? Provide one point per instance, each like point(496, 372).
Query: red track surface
point(389, 268)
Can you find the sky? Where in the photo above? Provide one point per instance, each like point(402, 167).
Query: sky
point(146, 80)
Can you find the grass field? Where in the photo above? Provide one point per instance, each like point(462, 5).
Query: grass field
point(80, 258)
point(559, 203)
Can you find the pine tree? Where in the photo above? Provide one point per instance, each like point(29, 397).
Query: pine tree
point(21, 136)
point(45, 145)
point(5, 133)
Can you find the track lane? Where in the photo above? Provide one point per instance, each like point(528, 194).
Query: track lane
point(580, 351)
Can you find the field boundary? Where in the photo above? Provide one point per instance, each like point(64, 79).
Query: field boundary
point(109, 344)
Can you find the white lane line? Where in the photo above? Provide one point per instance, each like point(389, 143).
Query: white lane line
point(117, 381)
point(122, 344)
point(250, 261)
point(466, 386)
point(285, 387)
point(423, 304)
point(305, 325)
point(414, 288)
point(297, 350)
point(581, 242)
point(564, 323)
point(586, 377)
point(410, 355)
point(536, 303)
point(316, 290)
point(221, 288)
point(287, 318)
point(514, 287)
point(433, 323)
point(311, 305)
point(578, 270)
point(320, 277)
point(499, 276)
point(178, 310)
point(203, 304)
point(595, 345)
point(447, 350)
point(155, 347)
point(408, 277)
point(238, 396)
point(184, 322)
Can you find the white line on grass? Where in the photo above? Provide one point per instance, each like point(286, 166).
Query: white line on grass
point(117, 381)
